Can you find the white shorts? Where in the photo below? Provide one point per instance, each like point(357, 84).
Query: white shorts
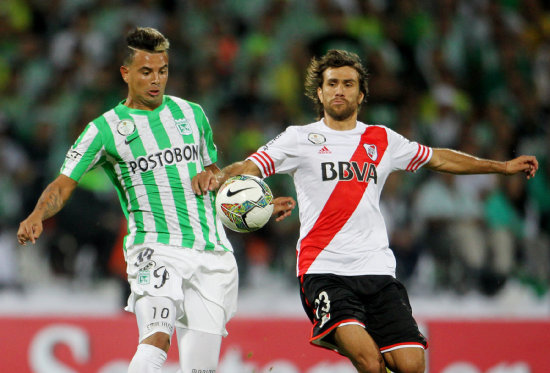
point(202, 284)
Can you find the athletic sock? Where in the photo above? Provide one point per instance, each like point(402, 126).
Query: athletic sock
point(148, 359)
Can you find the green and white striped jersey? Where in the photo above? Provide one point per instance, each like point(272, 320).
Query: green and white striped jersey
point(151, 157)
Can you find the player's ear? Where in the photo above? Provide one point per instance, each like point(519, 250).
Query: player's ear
point(124, 73)
point(320, 94)
point(361, 97)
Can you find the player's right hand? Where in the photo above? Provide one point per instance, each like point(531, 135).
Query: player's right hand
point(527, 164)
point(204, 182)
point(29, 230)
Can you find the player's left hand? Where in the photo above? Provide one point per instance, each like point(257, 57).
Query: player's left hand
point(282, 207)
point(204, 182)
point(527, 164)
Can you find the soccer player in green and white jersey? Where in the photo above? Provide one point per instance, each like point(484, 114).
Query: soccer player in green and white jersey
point(180, 265)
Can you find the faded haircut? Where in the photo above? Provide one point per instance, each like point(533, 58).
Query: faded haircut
point(333, 58)
point(146, 39)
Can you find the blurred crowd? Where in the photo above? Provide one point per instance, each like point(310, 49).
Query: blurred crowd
point(470, 75)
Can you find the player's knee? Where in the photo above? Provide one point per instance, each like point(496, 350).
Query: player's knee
point(366, 363)
point(156, 317)
point(412, 363)
point(412, 367)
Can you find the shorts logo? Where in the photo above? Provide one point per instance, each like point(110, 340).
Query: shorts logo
point(144, 255)
point(183, 126)
point(144, 277)
point(163, 274)
point(322, 308)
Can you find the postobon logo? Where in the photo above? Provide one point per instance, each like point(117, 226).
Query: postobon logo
point(187, 153)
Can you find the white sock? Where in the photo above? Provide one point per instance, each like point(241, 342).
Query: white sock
point(198, 351)
point(148, 359)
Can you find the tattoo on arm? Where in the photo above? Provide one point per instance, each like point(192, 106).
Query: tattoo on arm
point(50, 202)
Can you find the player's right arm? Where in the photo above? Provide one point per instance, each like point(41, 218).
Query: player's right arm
point(455, 162)
point(52, 200)
point(212, 177)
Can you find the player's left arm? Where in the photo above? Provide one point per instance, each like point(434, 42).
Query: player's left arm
point(456, 162)
point(212, 177)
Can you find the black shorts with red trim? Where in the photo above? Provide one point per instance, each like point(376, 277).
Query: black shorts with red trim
point(379, 303)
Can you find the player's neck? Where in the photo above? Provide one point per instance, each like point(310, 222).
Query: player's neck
point(340, 125)
point(136, 104)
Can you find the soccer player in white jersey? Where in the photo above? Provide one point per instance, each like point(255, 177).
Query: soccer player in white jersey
point(345, 266)
point(180, 265)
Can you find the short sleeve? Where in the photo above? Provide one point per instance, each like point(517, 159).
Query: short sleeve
point(407, 155)
point(209, 151)
point(279, 155)
point(86, 153)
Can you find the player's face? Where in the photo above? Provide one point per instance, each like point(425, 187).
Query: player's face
point(146, 77)
point(340, 93)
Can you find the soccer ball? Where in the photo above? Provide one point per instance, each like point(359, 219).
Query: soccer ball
point(244, 203)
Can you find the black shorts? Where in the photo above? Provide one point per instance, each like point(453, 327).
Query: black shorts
point(379, 303)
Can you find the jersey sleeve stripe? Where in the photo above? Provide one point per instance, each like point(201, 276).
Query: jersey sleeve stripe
point(270, 163)
point(425, 159)
point(420, 156)
point(260, 163)
point(264, 162)
point(414, 158)
point(425, 155)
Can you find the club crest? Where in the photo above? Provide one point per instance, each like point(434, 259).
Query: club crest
point(372, 152)
point(183, 126)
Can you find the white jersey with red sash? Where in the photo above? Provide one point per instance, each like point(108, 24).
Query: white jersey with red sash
point(338, 176)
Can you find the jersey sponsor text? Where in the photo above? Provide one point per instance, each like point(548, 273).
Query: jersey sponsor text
point(165, 157)
point(348, 171)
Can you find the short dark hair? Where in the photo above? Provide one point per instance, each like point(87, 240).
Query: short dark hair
point(147, 39)
point(333, 58)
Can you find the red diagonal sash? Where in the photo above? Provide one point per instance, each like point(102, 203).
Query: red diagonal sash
point(342, 202)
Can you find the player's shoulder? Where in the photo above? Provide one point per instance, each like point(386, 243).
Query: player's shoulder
point(374, 125)
point(305, 128)
point(106, 120)
point(381, 127)
point(183, 102)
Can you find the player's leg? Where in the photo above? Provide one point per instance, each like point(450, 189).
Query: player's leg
point(155, 318)
point(356, 344)
point(338, 315)
point(199, 333)
point(210, 299)
point(198, 351)
point(147, 359)
point(394, 328)
point(406, 360)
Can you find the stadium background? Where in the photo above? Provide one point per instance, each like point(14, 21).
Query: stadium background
point(471, 75)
